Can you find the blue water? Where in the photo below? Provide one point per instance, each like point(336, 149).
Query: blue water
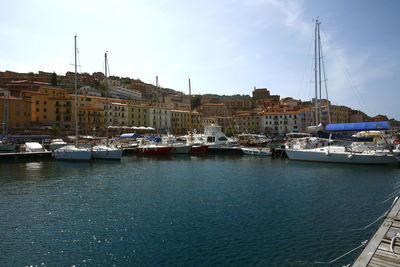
point(188, 211)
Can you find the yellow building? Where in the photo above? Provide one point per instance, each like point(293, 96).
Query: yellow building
point(180, 121)
point(91, 112)
point(138, 115)
point(50, 107)
point(339, 114)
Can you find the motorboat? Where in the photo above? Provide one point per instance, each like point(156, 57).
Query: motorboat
point(258, 151)
point(154, 149)
point(214, 137)
point(152, 146)
point(198, 148)
point(32, 147)
point(177, 147)
point(56, 143)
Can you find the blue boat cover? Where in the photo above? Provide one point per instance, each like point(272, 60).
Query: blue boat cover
point(155, 139)
point(129, 135)
point(332, 136)
point(359, 126)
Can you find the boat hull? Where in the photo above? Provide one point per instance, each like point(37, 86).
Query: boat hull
point(256, 151)
point(154, 150)
point(181, 149)
point(107, 154)
point(323, 155)
point(198, 149)
point(8, 147)
point(72, 153)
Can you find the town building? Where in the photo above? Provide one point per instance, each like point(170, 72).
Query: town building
point(238, 105)
point(50, 106)
point(181, 124)
point(88, 90)
point(212, 110)
point(248, 122)
point(160, 119)
point(138, 115)
point(280, 123)
point(14, 112)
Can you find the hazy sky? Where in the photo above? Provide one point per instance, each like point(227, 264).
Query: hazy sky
point(225, 47)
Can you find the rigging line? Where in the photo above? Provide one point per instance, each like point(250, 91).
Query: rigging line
point(306, 72)
point(380, 217)
point(391, 194)
point(345, 254)
point(390, 197)
point(326, 86)
point(360, 100)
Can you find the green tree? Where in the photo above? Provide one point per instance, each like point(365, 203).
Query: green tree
point(196, 101)
point(54, 79)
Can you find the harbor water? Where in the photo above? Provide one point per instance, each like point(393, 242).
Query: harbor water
point(188, 211)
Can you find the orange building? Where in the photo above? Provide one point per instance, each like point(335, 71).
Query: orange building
point(14, 113)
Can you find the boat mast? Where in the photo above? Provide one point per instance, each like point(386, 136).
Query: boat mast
point(4, 115)
point(319, 72)
point(106, 82)
point(190, 113)
point(315, 72)
point(158, 106)
point(76, 101)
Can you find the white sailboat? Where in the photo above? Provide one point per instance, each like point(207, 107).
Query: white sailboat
point(106, 151)
point(322, 150)
point(73, 152)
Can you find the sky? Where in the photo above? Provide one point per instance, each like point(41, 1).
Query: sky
point(225, 47)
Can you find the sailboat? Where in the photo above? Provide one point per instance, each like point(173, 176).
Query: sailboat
point(318, 149)
point(73, 152)
point(106, 151)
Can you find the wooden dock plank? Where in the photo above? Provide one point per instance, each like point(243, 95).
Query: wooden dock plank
point(377, 252)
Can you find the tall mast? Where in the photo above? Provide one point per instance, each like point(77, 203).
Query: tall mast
point(315, 72)
point(190, 113)
point(106, 82)
point(76, 101)
point(319, 72)
point(158, 107)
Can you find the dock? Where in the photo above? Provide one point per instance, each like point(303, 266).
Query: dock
point(384, 247)
point(26, 155)
point(225, 150)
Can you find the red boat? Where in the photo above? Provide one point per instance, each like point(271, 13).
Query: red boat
point(198, 148)
point(154, 149)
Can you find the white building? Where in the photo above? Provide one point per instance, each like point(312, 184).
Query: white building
point(125, 92)
point(160, 119)
point(87, 90)
point(280, 123)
